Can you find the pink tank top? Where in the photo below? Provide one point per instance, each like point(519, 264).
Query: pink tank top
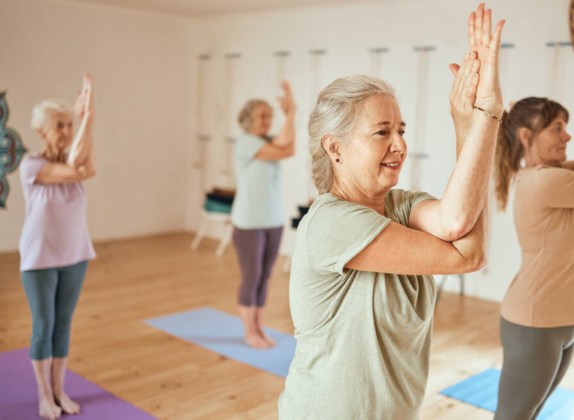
point(55, 231)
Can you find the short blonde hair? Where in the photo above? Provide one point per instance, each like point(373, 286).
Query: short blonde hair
point(45, 110)
point(245, 117)
point(335, 114)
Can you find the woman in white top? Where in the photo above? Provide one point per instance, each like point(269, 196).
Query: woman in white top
point(257, 212)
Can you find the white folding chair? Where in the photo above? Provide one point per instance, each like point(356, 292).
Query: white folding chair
point(209, 219)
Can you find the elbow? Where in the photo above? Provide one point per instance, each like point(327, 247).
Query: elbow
point(476, 261)
point(456, 230)
point(91, 173)
point(288, 151)
point(288, 145)
point(87, 173)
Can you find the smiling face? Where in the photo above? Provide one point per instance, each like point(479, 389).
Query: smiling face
point(372, 158)
point(58, 131)
point(549, 145)
point(261, 119)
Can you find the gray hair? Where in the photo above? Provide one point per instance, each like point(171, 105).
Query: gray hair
point(337, 109)
point(245, 117)
point(45, 110)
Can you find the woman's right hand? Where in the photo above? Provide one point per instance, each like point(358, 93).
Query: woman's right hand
point(487, 46)
point(286, 101)
point(463, 93)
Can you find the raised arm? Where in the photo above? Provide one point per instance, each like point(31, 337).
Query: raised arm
point(283, 145)
point(81, 149)
point(80, 163)
point(453, 216)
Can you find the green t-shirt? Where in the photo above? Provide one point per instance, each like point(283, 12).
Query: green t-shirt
point(363, 338)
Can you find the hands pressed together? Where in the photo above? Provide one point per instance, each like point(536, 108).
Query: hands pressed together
point(476, 82)
point(84, 105)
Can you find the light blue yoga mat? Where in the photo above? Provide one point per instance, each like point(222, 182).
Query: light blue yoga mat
point(223, 334)
point(481, 390)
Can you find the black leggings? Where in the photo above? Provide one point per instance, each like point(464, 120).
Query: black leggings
point(535, 361)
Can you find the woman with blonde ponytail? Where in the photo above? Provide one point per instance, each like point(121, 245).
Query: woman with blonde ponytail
point(537, 321)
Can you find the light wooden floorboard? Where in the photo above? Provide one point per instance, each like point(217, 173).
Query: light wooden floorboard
point(133, 280)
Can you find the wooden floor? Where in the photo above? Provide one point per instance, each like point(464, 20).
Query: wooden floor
point(133, 280)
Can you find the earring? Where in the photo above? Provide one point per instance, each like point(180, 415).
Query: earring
point(338, 160)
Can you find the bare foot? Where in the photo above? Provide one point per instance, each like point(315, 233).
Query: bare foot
point(256, 341)
point(68, 406)
point(47, 409)
point(269, 340)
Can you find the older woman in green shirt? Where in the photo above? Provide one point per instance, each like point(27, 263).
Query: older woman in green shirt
point(361, 290)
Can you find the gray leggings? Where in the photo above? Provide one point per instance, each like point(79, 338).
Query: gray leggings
point(52, 295)
point(535, 361)
point(256, 250)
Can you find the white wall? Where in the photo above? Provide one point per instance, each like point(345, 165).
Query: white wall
point(142, 73)
point(145, 69)
point(347, 32)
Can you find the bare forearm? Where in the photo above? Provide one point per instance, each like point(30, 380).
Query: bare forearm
point(81, 148)
point(467, 188)
point(286, 136)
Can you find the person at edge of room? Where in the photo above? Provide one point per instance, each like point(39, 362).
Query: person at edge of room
point(257, 211)
point(55, 245)
point(536, 320)
point(361, 288)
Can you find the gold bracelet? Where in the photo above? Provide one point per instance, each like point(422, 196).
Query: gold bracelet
point(488, 113)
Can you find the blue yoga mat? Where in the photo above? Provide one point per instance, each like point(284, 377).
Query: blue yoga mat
point(223, 334)
point(481, 390)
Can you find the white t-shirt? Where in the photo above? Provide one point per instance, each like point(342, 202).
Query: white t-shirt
point(258, 202)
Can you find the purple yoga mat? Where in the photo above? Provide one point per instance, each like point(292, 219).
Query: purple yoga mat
point(19, 401)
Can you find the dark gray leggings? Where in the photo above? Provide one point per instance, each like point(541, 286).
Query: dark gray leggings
point(535, 361)
point(256, 250)
point(52, 295)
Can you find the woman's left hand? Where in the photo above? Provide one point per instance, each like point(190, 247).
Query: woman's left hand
point(486, 43)
point(464, 87)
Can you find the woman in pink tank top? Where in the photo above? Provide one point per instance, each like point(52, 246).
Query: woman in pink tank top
point(55, 245)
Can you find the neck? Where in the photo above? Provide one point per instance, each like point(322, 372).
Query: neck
point(530, 162)
point(355, 195)
point(53, 154)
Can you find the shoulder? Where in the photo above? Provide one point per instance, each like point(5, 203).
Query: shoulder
point(34, 158)
point(547, 176)
point(33, 162)
point(331, 212)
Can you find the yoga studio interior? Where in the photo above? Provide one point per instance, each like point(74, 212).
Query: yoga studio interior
point(156, 90)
